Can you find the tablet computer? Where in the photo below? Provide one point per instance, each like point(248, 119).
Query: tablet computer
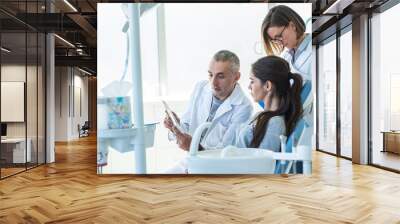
point(171, 115)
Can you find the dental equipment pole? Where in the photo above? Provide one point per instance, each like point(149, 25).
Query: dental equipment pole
point(137, 92)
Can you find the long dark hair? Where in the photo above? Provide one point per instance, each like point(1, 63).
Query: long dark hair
point(277, 71)
point(278, 16)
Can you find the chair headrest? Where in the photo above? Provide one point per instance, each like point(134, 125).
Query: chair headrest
point(305, 91)
point(301, 123)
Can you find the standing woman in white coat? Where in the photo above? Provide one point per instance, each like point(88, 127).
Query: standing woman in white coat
point(283, 32)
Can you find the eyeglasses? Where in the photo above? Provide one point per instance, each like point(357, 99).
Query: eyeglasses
point(278, 38)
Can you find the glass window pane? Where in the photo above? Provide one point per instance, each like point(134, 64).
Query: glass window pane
point(327, 97)
point(385, 89)
point(13, 83)
point(31, 97)
point(20, 70)
point(346, 94)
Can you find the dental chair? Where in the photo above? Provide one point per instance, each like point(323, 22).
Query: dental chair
point(229, 160)
point(295, 155)
point(232, 160)
point(301, 134)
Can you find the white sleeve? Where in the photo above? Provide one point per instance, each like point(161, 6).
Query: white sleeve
point(239, 117)
point(185, 120)
point(187, 115)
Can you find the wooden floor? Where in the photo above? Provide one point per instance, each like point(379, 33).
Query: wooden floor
point(10, 171)
point(70, 191)
point(386, 159)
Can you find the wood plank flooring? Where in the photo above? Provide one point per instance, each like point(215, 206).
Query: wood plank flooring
point(9, 171)
point(70, 191)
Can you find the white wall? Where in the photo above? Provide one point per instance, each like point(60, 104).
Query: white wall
point(70, 83)
point(79, 117)
point(33, 126)
point(61, 103)
point(12, 73)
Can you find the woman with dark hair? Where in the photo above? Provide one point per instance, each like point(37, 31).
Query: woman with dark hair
point(272, 82)
point(283, 32)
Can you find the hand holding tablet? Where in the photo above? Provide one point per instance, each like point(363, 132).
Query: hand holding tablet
point(173, 117)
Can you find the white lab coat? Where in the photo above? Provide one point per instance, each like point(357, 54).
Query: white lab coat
point(302, 58)
point(236, 109)
point(301, 64)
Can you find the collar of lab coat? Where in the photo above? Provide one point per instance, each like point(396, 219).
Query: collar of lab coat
point(301, 55)
point(236, 98)
point(304, 43)
point(302, 47)
point(302, 50)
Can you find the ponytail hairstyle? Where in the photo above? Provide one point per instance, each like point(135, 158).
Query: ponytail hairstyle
point(287, 87)
point(279, 16)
